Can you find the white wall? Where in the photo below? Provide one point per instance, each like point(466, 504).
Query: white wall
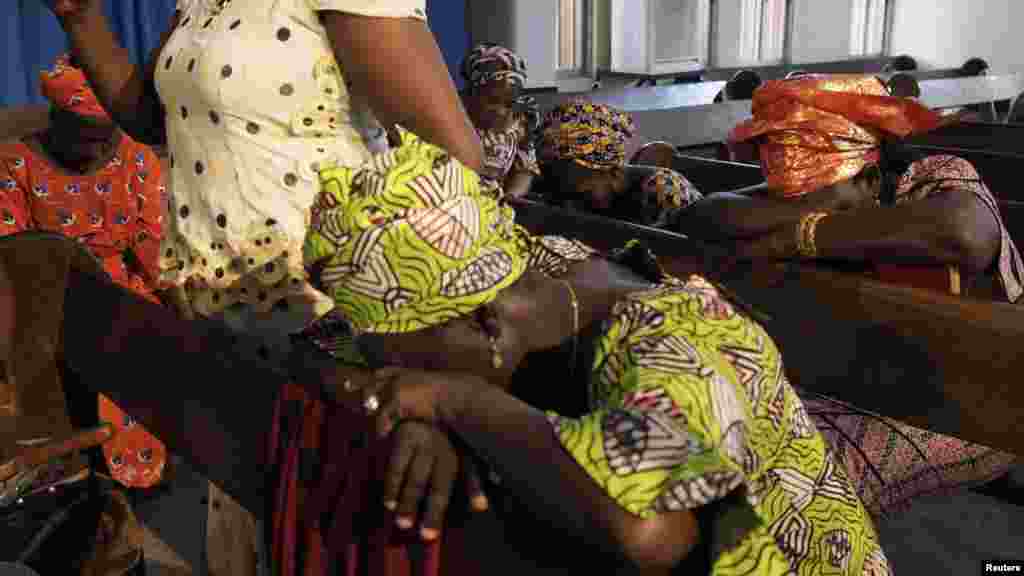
point(945, 33)
point(526, 26)
point(821, 30)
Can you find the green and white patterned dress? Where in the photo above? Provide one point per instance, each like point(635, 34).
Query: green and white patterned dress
point(690, 404)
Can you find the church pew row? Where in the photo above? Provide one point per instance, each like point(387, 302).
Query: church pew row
point(935, 361)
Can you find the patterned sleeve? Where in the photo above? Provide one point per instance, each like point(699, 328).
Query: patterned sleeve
point(668, 190)
point(14, 209)
point(669, 433)
point(376, 8)
point(150, 191)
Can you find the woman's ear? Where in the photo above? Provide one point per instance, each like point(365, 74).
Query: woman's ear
point(487, 321)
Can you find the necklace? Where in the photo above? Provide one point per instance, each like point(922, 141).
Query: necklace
point(574, 306)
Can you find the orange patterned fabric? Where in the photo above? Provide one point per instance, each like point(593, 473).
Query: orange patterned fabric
point(67, 88)
point(115, 211)
point(135, 458)
point(814, 131)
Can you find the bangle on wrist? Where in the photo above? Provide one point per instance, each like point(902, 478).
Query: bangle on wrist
point(806, 231)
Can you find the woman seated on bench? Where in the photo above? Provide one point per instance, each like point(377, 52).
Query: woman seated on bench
point(837, 190)
point(505, 119)
point(841, 187)
point(85, 179)
point(583, 154)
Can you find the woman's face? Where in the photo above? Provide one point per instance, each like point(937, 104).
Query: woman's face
point(495, 104)
point(595, 190)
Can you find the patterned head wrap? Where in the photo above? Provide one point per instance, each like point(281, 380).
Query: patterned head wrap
point(591, 135)
point(488, 62)
point(409, 241)
point(67, 88)
point(817, 130)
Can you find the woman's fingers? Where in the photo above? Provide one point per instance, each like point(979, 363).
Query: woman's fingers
point(414, 489)
point(474, 485)
point(445, 473)
point(403, 451)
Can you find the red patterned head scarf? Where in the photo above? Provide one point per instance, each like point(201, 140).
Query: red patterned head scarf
point(817, 130)
point(67, 88)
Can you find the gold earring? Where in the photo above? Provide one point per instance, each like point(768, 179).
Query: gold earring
point(497, 360)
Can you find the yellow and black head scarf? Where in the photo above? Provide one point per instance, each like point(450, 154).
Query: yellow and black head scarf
point(409, 241)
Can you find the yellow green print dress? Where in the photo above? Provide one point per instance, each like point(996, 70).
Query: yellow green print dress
point(689, 404)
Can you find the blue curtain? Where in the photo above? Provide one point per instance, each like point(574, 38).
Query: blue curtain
point(31, 38)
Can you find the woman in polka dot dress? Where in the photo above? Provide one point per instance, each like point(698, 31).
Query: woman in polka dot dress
point(252, 98)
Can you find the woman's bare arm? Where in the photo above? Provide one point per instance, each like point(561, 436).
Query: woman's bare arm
point(124, 89)
point(740, 215)
point(396, 66)
point(947, 228)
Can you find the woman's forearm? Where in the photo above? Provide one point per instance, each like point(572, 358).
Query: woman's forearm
point(125, 90)
point(419, 95)
point(205, 391)
point(735, 216)
point(947, 229)
point(514, 437)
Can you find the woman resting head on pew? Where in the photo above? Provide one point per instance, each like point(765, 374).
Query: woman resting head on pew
point(583, 151)
point(838, 190)
point(673, 431)
point(841, 187)
point(505, 119)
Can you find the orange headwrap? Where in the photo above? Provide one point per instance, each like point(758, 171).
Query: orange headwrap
point(68, 89)
point(815, 131)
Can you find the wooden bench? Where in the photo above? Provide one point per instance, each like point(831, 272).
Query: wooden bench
point(934, 361)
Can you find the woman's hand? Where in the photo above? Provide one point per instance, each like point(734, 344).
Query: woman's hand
point(422, 472)
point(66, 8)
point(780, 244)
point(434, 397)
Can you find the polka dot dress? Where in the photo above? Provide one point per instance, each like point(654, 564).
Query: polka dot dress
point(256, 104)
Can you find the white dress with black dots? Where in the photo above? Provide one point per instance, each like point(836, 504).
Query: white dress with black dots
point(255, 103)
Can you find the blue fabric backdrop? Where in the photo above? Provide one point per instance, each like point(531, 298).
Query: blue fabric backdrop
point(31, 38)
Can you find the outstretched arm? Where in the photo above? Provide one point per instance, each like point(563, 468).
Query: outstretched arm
point(125, 90)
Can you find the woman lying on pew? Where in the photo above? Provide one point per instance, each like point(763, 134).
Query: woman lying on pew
point(505, 119)
point(690, 440)
point(838, 190)
point(676, 427)
point(583, 150)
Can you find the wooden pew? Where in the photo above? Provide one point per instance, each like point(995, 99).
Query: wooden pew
point(934, 361)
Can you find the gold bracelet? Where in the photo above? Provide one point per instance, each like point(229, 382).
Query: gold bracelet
point(805, 233)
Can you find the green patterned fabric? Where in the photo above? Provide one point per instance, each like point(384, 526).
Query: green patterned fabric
point(409, 241)
point(690, 404)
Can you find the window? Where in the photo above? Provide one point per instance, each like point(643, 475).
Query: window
point(868, 27)
point(763, 36)
point(573, 32)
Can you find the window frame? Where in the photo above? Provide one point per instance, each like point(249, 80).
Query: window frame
point(865, 21)
point(583, 29)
